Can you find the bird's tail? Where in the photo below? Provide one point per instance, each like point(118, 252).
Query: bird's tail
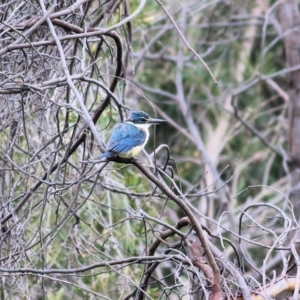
point(106, 154)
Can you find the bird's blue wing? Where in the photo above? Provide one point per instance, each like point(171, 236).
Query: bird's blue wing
point(124, 137)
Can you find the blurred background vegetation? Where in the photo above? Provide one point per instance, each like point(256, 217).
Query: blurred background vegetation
point(77, 229)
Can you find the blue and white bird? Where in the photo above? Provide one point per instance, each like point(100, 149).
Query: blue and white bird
point(130, 137)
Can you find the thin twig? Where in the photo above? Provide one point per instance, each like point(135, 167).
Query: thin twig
point(186, 42)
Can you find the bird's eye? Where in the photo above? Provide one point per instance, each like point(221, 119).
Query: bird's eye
point(143, 119)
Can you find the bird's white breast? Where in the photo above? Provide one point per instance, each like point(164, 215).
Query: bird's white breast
point(136, 150)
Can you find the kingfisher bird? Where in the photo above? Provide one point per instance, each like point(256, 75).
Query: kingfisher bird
point(130, 137)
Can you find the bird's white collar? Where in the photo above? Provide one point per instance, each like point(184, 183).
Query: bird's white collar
point(140, 126)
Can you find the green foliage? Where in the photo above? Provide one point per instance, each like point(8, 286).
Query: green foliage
point(85, 213)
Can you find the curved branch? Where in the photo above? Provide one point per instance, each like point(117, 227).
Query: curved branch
point(81, 139)
point(216, 289)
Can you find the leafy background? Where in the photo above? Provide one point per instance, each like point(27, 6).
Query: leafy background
point(76, 228)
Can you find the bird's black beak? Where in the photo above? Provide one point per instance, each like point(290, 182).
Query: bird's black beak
point(155, 121)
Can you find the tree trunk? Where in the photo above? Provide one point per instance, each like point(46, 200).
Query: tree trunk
point(289, 17)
